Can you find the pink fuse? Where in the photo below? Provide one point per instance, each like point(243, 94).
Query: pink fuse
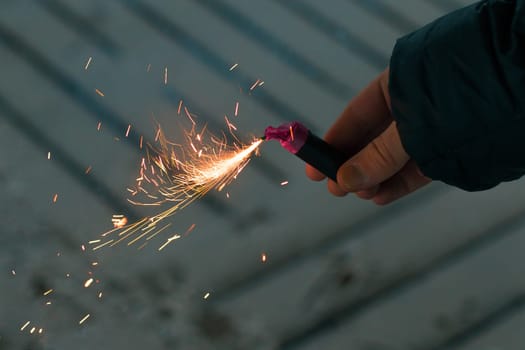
point(298, 140)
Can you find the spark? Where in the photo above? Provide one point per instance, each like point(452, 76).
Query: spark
point(100, 93)
point(48, 155)
point(32, 330)
point(140, 142)
point(284, 183)
point(55, 197)
point(88, 282)
point(94, 263)
point(84, 319)
point(180, 107)
point(100, 295)
point(94, 241)
point(25, 325)
point(165, 75)
point(176, 174)
point(48, 303)
point(40, 330)
point(188, 114)
point(88, 169)
point(128, 129)
point(291, 133)
point(236, 109)
point(206, 296)
point(103, 244)
point(230, 125)
point(88, 63)
point(49, 291)
point(13, 272)
point(235, 65)
point(255, 85)
point(83, 247)
point(99, 125)
point(263, 257)
point(172, 238)
point(119, 221)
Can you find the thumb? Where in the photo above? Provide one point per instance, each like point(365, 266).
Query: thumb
point(375, 163)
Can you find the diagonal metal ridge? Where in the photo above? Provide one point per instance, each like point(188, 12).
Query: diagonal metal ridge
point(496, 232)
point(197, 49)
point(81, 25)
point(446, 5)
point(511, 307)
point(301, 254)
point(68, 86)
point(65, 160)
point(277, 47)
point(96, 110)
point(336, 32)
point(387, 14)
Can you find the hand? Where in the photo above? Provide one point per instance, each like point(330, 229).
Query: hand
point(379, 169)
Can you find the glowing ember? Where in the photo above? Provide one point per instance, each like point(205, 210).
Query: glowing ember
point(55, 198)
point(206, 296)
point(172, 238)
point(88, 169)
point(25, 325)
point(32, 330)
point(255, 85)
point(100, 295)
point(47, 292)
point(178, 174)
point(88, 282)
point(236, 113)
point(48, 155)
point(88, 63)
point(119, 221)
point(84, 319)
point(165, 75)
point(284, 183)
point(13, 272)
point(100, 93)
point(127, 130)
point(234, 66)
point(263, 257)
point(99, 125)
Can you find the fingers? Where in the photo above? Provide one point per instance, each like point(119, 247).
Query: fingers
point(404, 182)
point(374, 164)
point(365, 117)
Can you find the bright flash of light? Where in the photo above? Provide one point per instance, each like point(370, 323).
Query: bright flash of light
point(177, 174)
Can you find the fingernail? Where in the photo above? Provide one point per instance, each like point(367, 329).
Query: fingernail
point(352, 178)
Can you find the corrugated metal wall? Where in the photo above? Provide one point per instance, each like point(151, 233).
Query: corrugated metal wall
point(441, 269)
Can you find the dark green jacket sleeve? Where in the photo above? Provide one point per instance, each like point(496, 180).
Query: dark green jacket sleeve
point(457, 88)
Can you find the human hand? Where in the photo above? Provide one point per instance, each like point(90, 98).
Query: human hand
point(379, 168)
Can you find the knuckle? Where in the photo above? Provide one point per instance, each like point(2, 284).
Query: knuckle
point(384, 154)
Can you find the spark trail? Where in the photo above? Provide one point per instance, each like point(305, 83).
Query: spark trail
point(178, 174)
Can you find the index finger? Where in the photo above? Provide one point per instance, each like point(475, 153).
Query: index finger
point(366, 117)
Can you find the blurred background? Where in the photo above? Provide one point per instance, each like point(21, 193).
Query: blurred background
point(271, 267)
